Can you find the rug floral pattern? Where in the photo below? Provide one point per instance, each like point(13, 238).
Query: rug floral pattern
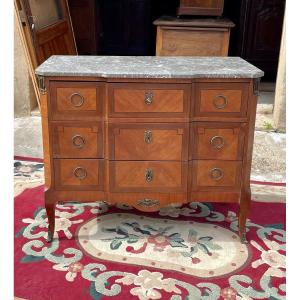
point(199, 249)
point(142, 247)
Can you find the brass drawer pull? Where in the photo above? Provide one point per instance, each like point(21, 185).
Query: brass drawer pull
point(148, 202)
point(149, 175)
point(217, 142)
point(75, 101)
point(78, 141)
point(216, 174)
point(148, 136)
point(148, 98)
point(80, 173)
point(220, 104)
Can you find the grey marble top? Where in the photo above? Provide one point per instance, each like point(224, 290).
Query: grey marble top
point(148, 67)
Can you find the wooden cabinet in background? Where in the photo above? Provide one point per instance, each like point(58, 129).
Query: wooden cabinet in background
point(192, 37)
point(201, 7)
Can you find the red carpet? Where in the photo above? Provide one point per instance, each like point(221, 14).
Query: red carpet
point(185, 253)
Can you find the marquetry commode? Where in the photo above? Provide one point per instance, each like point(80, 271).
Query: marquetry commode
point(148, 131)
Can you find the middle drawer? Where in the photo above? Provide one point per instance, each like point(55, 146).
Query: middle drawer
point(148, 141)
point(222, 141)
point(77, 140)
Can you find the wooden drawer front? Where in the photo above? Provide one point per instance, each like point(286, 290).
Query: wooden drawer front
point(134, 176)
point(76, 99)
point(83, 141)
point(201, 3)
point(217, 143)
point(73, 100)
point(194, 41)
point(79, 174)
point(149, 142)
point(214, 173)
point(140, 100)
point(201, 7)
point(222, 99)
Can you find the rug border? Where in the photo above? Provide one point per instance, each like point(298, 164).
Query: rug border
point(28, 158)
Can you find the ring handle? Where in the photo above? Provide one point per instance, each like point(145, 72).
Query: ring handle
point(216, 174)
point(78, 141)
point(148, 98)
point(75, 101)
point(217, 104)
point(80, 173)
point(217, 142)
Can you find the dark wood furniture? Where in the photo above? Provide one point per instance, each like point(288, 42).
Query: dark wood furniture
point(145, 140)
point(257, 34)
point(201, 7)
point(192, 37)
point(87, 25)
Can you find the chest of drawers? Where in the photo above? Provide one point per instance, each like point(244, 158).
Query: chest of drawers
point(188, 37)
point(147, 131)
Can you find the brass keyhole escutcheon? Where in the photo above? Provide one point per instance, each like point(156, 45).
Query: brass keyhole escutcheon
point(148, 136)
point(149, 175)
point(148, 98)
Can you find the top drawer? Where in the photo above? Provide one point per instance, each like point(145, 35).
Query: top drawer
point(221, 99)
point(76, 100)
point(148, 100)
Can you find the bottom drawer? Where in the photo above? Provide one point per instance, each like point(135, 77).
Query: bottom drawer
point(215, 173)
point(148, 176)
point(79, 174)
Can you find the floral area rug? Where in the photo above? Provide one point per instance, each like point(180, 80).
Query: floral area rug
point(184, 252)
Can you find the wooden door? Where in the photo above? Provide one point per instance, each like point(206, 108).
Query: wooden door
point(50, 27)
point(87, 25)
point(257, 35)
point(263, 35)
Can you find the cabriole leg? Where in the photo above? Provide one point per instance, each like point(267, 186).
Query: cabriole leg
point(50, 209)
point(243, 213)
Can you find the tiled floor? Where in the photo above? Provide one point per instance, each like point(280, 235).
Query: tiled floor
point(28, 137)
